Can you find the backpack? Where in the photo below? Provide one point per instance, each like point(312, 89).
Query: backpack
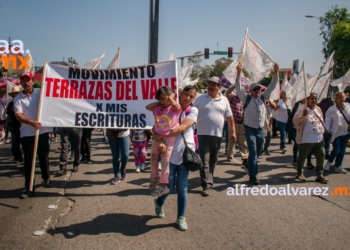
point(249, 97)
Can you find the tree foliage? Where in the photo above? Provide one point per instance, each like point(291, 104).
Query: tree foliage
point(330, 18)
point(220, 65)
point(340, 42)
point(72, 60)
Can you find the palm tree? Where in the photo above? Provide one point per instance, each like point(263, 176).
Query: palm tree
point(72, 60)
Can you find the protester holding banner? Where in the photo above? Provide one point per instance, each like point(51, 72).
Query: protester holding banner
point(281, 114)
point(13, 125)
point(178, 175)
point(338, 122)
point(166, 113)
point(213, 110)
point(310, 136)
point(85, 147)
point(26, 108)
point(119, 140)
point(72, 136)
point(3, 105)
point(254, 118)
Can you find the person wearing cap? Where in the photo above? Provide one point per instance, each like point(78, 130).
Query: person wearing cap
point(254, 118)
point(26, 106)
point(13, 125)
point(3, 105)
point(213, 109)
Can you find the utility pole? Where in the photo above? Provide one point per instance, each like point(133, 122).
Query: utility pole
point(153, 31)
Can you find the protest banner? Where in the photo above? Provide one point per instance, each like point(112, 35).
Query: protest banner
point(105, 98)
point(342, 82)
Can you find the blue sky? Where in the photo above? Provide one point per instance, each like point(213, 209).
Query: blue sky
point(84, 29)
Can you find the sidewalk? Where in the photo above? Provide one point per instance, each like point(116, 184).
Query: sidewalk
point(92, 214)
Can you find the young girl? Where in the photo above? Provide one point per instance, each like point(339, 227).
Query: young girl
point(166, 115)
point(139, 142)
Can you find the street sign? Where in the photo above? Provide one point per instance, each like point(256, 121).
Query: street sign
point(220, 52)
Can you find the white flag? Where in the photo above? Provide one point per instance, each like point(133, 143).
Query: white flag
point(290, 84)
point(276, 93)
point(312, 80)
point(284, 82)
point(342, 82)
point(93, 63)
point(328, 65)
point(172, 56)
point(321, 86)
point(183, 73)
point(187, 81)
point(31, 65)
point(255, 61)
point(115, 62)
point(230, 72)
point(300, 90)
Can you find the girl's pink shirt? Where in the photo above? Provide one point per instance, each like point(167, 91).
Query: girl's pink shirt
point(166, 119)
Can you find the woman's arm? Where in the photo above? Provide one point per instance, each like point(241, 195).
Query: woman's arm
point(300, 116)
point(151, 106)
point(185, 124)
point(176, 106)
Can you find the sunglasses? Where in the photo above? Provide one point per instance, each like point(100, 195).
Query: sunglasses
point(256, 89)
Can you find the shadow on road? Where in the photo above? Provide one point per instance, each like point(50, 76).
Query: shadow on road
point(126, 224)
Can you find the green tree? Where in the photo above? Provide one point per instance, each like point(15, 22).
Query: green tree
point(204, 74)
point(72, 60)
point(340, 42)
point(220, 65)
point(330, 18)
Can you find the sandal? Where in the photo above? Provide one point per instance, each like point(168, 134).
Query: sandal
point(321, 179)
point(300, 177)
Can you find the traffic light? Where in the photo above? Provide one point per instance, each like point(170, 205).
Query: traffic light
point(206, 53)
point(229, 52)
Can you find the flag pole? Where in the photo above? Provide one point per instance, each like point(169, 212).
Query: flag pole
point(305, 85)
point(36, 139)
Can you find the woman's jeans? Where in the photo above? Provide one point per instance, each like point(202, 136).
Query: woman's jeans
point(339, 148)
point(120, 153)
point(282, 128)
point(178, 176)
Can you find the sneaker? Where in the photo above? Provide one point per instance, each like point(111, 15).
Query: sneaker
point(340, 170)
point(327, 166)
point(295, 163)
point(88, 161)
point(83, 160)
point(159, 210)
point(229, 159)
point(159, 166)
point(75, 168)
point(7, 141)
point(142, 167)
point(266, 151)
point(182, 224)
point(284, 151)
point(62, 171)
point(205, 192)
point(115, 180)
point(254, 181)
point(160, 190)
point(153, 184)
point(137, 170)
point(123, 175)
point(47, 183)
point(27, 194)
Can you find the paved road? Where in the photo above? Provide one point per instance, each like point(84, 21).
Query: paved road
point(92, 214)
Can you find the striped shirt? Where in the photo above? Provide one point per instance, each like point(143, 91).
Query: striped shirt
point(255, 113)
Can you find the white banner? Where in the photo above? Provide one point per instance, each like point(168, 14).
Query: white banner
point(75, 97)
point(285, 81)
point(321, 83)
point(115, 61)
point(324, 92)
point(184, 72)
point(300, 89)
point(93, 63)
point(342, 82)
point(255, 61)
point(230, 72)
point(290, 85)
point(328, 65)
point(312, 80)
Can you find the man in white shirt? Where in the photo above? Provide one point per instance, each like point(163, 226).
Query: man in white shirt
point(26, 106)
point(3, 104)
point(213, 109)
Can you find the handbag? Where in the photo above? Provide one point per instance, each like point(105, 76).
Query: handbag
point(190, 159)
point(347, 121)
point(327, 136)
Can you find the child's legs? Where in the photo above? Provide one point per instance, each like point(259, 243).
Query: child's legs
point(165, 159)
point(154, 159)
point(143, 152)
point(136, 149)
